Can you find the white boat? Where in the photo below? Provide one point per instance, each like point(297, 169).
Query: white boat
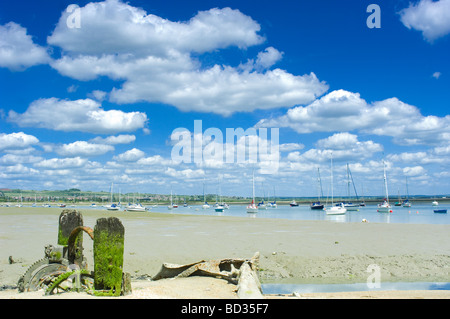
point(205, 205)
point(219, 207)
point(274, 203)
point(334, 210)
point(262, 205)
point(435, 203)
point(406, 202)
point(172, 205)
point(252, 208)
point(348, 205)
point(135, 208)
point(385, 207)
point(112, 206)
point(351, 206)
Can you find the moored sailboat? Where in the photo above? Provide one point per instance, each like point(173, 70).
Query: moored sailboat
point(317, 205)
point(334, 210)
point(251, 208)
point(385, 207)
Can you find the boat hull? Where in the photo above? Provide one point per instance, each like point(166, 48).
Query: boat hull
point(336, 211)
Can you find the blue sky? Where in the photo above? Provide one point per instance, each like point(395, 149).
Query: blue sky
point(84, 105)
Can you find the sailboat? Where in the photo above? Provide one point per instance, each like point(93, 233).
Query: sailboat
point(251, 208)
point(172, 205)
point(205, 205)
point(318, 205)
point(406, 202)
point(348, 205)
point(334, 210)
point(112, 206)
point(293, 203)
point(385, 207)
point(135, 207)
point(273, 204)
point(399, 202)
point(219, 207)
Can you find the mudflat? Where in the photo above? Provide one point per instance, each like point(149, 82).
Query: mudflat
point(291, 251)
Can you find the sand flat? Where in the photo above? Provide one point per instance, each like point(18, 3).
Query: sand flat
point(291, 251)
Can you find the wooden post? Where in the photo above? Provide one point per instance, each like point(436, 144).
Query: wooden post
point(68, 221)
point(109, 237)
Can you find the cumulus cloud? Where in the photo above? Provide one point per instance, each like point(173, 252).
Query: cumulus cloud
point(18, 140)
point(17, 49)
point(80, 115)
point(112, 140)
point(414, 171)
point(432, 18)
point(84, 149)
point(341, 111)
point(114, 27)
point(343, 146)
point(132, 155)
point(154, 57)
point(62, 163)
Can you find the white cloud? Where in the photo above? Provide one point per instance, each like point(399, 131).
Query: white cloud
point(84, 149)
point(18, 140)
point(268, 57)
point(153, 161)
point(80, 115)
point(154, 57)
point(186, 173)
point(114, 27)
point(12, 159)
point(287, 147)
point(432, 18)
point(62, 163)
point(437, 75)
point(113, 140)
point(17, 49)
point(341, 111)
point(414, 171)
point(132, 155)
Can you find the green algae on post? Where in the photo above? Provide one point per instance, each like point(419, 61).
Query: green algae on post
point(68, 221)
point(109, 238)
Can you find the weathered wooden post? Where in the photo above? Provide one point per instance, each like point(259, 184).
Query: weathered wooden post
point(109, 237)
point(68, 221)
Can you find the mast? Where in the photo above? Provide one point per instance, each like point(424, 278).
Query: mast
point(320, 184)
point(204, 198)
point(112, 192)
point(332, 203)
point(385, 182)
point(407, 192)
point(253, 185)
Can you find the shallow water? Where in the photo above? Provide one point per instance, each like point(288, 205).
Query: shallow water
point(422, 213)
point(321, 288)
point(417, 214)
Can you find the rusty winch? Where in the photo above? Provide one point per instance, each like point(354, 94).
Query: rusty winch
point(64, 268)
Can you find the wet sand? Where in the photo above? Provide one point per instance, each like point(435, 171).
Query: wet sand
point(291, 251)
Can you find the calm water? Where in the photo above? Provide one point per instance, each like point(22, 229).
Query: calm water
point(318, 288)
point(422, 213)
point(417, 214)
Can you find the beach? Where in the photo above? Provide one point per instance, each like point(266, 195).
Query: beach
point(291, 251)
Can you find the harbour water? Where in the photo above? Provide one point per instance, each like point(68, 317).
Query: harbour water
point(324, 288)
point(422, 213)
